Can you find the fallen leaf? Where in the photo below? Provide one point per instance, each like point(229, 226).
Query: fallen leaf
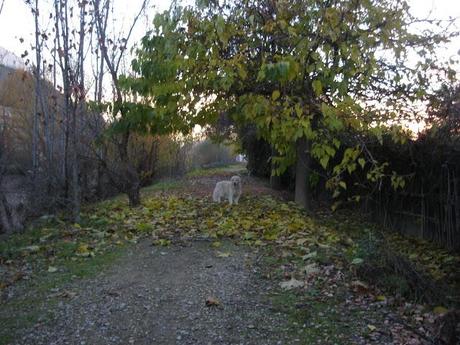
point(162, 242)
point(311, 255)
point(440, 310)
point(52, 269)
point(301, 241)
point(360, 286)
point(371, 328)
point(357, 261)
point(311, 269)
point(32, 249)
point(216, 244)
point(223, 254)
point(212, 302)
point(67, 294)
point(292, 284)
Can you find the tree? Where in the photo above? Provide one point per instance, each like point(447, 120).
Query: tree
point(444, 110)
point(124, 121)
point(302, 71)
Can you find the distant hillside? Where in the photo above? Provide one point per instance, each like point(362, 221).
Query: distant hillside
point(4, 73)
point(9, 59)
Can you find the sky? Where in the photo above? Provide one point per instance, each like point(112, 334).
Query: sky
point(16, 20)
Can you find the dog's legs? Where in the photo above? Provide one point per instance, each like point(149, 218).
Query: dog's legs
point(236, 200)
point(230, 199)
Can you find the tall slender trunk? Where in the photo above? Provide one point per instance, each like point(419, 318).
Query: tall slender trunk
point(275, 180)
point(132, 181)
point(36, 101)
point(76, 192)
point(302, 173)
point(79, 98)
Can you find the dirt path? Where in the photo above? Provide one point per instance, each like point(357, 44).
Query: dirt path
point(156, 295)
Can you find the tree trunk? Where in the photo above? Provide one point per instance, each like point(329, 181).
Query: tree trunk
point(133, 184)
point(131, 176)
point(134, 195)
point(275, 180)
point(302, 172)
point(5, 222)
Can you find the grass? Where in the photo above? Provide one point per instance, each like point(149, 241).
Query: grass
point(32, 298)
point(316, 317)
point(165, 185)
point(227, 169)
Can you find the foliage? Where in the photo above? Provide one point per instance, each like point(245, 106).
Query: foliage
point(297, 69)
point(173, 155)
point(444, 111)
point(257, 150)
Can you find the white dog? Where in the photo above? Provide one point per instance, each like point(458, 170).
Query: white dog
point(228, 189)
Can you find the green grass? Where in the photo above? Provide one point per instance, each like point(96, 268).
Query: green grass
point(33, 299)
point(228, 169)
point(166, 185)
point(314, 318)
point(315, 321)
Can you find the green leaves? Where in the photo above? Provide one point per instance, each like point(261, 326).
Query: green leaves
point(317, 87)
point(283, 71)
point(328, 74)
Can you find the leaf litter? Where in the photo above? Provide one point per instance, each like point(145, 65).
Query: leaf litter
point(326, 254)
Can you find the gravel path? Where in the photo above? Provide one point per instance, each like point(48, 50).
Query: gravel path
point(157, 295)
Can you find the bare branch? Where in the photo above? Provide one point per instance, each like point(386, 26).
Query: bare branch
point(1, 6)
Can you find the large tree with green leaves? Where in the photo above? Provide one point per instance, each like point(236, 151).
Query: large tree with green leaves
point(302, 71)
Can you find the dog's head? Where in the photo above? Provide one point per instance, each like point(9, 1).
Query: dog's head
point(236, 181)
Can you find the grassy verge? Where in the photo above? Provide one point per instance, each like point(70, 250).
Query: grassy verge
point(32, 295)
point(52, 253)
point(324, 310)
point(228, 170)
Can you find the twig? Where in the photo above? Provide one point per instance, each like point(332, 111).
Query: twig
point(1, 6)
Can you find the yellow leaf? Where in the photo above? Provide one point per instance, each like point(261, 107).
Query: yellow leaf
point(82, 248)
point(162, 242)
point(275, 95)
point(380, 298)
point(301, 241)
point(212, 302)
point(440, 310)
point(216, 244)
point(371, 328)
